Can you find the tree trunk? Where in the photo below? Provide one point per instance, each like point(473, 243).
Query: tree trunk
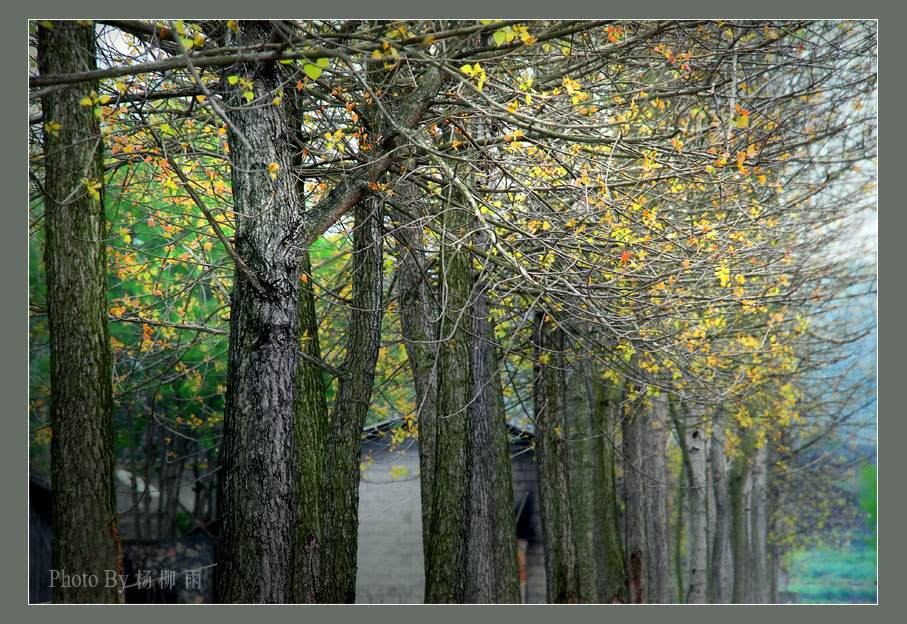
point(694, 455)
point(447, 528)
point(260, 462)
point(678, 534)
point(634, 498)
point(419, 329)
point(553, 464)
point(612, 583)
point(86, 540)
point(311, 439)
point(507, 564)
point(581, 477)
point(759, 530)
point(344, 446)
point(739, 531)
point(722, 580)
point(490, 479)
point(657, 526)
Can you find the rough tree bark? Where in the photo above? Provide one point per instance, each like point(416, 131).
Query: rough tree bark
point(86, 539)
point(447, 527)
point(311, 434)
point(612, 582)
point(581, 478)
point(468, 526)
point(341, 470)
point(256, 549)
point(507, 562)
point(553, 463)
point(418, 322)
point(492, 563)
point(260, 461)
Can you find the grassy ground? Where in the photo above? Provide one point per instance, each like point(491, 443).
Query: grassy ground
point(834, 576)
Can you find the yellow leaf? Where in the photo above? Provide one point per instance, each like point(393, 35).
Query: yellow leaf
point(743, 121)
point(86, 102)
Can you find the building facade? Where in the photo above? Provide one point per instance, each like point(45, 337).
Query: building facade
point(390, 559)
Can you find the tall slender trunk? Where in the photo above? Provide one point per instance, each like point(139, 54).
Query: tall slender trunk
point(775, 568)
point(759, 528)
point(722, 580)
point(507, 563)
point(481, 581)
point(678, 536)
point(489, 439)
point(85, 535)
point(612, 584)
point(655, 464)
point(694, 451)
point(553, 466)
point(311, 439)
point(340, 494)
point(634, 497)
point(581, 466)
point(447, 526)
point(419, 326)
point(740, 477)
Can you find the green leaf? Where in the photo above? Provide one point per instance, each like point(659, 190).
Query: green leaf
point(499, 37)
point(323, 62)
point(232, 79)
point(312, 71)
point(249, 96)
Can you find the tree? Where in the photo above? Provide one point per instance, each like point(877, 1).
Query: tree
point(86, 539)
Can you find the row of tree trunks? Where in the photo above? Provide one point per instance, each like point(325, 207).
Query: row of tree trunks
point(262, 494)
point(730, 558)
point(469, 533)
point(577, 415)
